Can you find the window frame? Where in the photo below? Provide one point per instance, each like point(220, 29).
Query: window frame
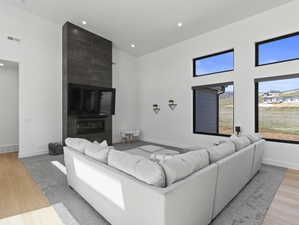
point(210, 55)
point(257, 55)
point(256, 97)
point(194, 88)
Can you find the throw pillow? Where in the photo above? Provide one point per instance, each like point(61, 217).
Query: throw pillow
point(103, 143)
point(97, 152)
point(180, 166)
point(221, 151)
point(77, 143)
point(137, 166)
point(240, 142)
point(255, 137)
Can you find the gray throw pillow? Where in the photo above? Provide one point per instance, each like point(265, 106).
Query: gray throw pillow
point(77, 143)
point(240, 142)
point(137, 166)
point(180, 166)
point(221, 151)
point(255, 137)
point(97, 152)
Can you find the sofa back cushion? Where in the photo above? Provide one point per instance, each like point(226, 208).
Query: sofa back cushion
point(255, 137)
point(97, 151)
point(180, 166)
point(163, 154)
point(77, 143)
point(221, 151)
point(240, 142)
point(137, 166)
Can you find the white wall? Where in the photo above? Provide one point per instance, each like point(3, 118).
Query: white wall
point(167, 74)
point(9, 103)
point(126, 82)
point(40, 58)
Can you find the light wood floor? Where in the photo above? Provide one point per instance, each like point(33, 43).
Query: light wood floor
point(45, 216)
point(18, 191)
point(284, 209)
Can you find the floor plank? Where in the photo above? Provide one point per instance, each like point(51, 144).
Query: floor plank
point(284, 209)
point(45, 216)
point(18, 191)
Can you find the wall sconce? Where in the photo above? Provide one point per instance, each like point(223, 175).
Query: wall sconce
point(171, 104)
point(238, 130)
point(156, 108)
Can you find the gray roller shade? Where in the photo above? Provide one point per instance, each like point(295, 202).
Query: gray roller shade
point(206, 111)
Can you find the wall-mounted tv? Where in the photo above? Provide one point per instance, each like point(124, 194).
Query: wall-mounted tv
point(90, 101)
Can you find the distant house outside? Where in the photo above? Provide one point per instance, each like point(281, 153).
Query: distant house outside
point(277, 97)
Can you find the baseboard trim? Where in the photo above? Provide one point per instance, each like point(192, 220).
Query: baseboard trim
point(9, 148)
point(281, 164)
point(31, 154)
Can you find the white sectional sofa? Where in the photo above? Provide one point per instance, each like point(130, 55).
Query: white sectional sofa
point(194, 200)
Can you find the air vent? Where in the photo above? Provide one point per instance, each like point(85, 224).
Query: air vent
point(13, 39)
point(18, 1)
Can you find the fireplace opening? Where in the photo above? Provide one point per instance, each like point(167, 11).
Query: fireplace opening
point(90, 126)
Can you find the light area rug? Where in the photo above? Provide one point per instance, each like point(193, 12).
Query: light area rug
point(248, 208)
point(65, 216)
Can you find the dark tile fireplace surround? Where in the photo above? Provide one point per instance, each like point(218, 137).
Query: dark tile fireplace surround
point(87, 60)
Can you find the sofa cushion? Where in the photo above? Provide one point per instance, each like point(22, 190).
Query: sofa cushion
point(103, 143)
point(221, 151)
point(180, 166)
point(194, 148)
point(151, 148)
point(255, 137)
point(240, 142)
point(163, 154)
point(97, 151)
point(77, 143)
point(140, 152)
point(137, 166)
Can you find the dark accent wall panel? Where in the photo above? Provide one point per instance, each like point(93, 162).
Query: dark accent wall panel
point(87, 60)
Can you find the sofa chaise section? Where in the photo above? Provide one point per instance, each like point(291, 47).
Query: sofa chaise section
point(124, 200)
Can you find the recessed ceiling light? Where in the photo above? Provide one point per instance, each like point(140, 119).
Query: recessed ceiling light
point(84, 22)
point(1, 64)
point(180, 24)
point(133, 45)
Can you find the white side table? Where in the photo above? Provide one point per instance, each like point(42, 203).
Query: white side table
point(129, 136)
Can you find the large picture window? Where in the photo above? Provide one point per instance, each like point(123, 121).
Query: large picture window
point(213, 108)
point(277, 108)
point(215, 63)
point(277, 50)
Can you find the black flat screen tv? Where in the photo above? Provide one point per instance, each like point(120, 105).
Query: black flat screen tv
point(91, 101)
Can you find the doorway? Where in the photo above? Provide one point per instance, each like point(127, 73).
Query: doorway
point(9, 106)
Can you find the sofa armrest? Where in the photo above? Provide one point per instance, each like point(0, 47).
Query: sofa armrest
point(190, 201)
point(120, 198)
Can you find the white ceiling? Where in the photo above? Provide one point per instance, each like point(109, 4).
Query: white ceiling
point(149, 24)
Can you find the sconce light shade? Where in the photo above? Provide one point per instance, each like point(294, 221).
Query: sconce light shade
point(171, 104)
point(156, 108)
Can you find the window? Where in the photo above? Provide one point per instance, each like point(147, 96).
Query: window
point(277, 50)
point(213, 109)
point(277, 108)
point(215, 63)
